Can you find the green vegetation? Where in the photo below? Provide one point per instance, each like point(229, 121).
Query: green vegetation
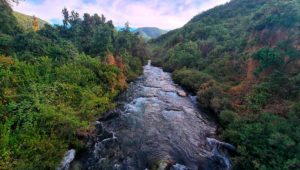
point(150, 32)
point(269, 57)
point(7, 20)
point(55, 81)
point(190, 78)
point(242, 59)
point(266, 141)
point(25, 21)
point(43, 105)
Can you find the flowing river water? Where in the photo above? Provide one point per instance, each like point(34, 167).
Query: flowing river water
point(156, 127)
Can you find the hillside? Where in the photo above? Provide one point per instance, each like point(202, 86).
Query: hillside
point(242, 59)
point(150, 32)
point(55, 81)
point(25, 21)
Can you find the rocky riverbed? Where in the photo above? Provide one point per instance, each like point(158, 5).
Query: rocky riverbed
point(156, 126)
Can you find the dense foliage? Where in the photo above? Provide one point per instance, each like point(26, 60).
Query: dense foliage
point(55, 81)
point(242, 59)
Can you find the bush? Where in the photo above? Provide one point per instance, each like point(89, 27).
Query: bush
point(259, 97)
point(277, 85)
point(295, 111)
point(42, 104)
point(190, 78)
point(269, 58)
point(227, 117)
point(183, 55)
point(210, 95)
point(266, 142)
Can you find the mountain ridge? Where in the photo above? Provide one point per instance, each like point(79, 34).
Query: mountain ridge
point(150, 32)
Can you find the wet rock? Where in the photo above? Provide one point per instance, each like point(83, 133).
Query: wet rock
point(214, 142)
point(179, 167)
point(110, 115)
point(68, 158)
point(219, 152)
point(181, 93)
point(117, 167)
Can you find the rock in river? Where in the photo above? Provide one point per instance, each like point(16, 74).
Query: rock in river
point(181, 93)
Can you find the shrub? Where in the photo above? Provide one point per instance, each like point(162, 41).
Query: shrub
point(42, 104)
point(210, 95)
point(265, 142)
point(227, 117)
point(183, 55)
point(190, 78)
point(269, 58)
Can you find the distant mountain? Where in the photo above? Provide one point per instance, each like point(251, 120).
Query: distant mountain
point(25, 21)
point(118, 28)
point(150, 32)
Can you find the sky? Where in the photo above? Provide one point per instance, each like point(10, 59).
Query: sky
point(164, 14)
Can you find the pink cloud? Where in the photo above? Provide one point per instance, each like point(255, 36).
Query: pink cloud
point(163, 14)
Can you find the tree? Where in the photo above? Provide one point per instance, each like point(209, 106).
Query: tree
point(269, 58)
point(74, 18)
point(127, 27)
point(97, 20)
point(66, 17)
point(8, 22)
point(103, 19)
point(102, 42)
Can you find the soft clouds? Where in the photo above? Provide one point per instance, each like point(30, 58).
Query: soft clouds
point(167, 14)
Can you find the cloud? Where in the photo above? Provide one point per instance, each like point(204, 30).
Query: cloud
point(167, 14)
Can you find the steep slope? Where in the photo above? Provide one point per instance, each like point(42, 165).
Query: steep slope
point(242, 59)
point(150, 32)
point(25, 21)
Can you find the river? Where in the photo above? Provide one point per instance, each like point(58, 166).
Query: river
point(156, 126)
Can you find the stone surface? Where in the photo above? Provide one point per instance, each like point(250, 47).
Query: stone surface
point(68, 158)
point(181, 93)
point(155, 128)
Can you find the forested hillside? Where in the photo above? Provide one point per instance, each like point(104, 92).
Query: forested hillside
point(150, 32)
point(26, 21)
point(55, 81)
point(242, 59)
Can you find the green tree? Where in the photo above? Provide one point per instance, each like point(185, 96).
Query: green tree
point(269, 58)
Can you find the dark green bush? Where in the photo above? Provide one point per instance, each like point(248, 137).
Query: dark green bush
point(227, 117)
point(210, 95)
point(266, 142)
point(190, 78)
point(269, 58)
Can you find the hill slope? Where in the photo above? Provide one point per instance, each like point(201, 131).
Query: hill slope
point(25, 21)
point(150, 32)
point(243, 61)
point(45, 104)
